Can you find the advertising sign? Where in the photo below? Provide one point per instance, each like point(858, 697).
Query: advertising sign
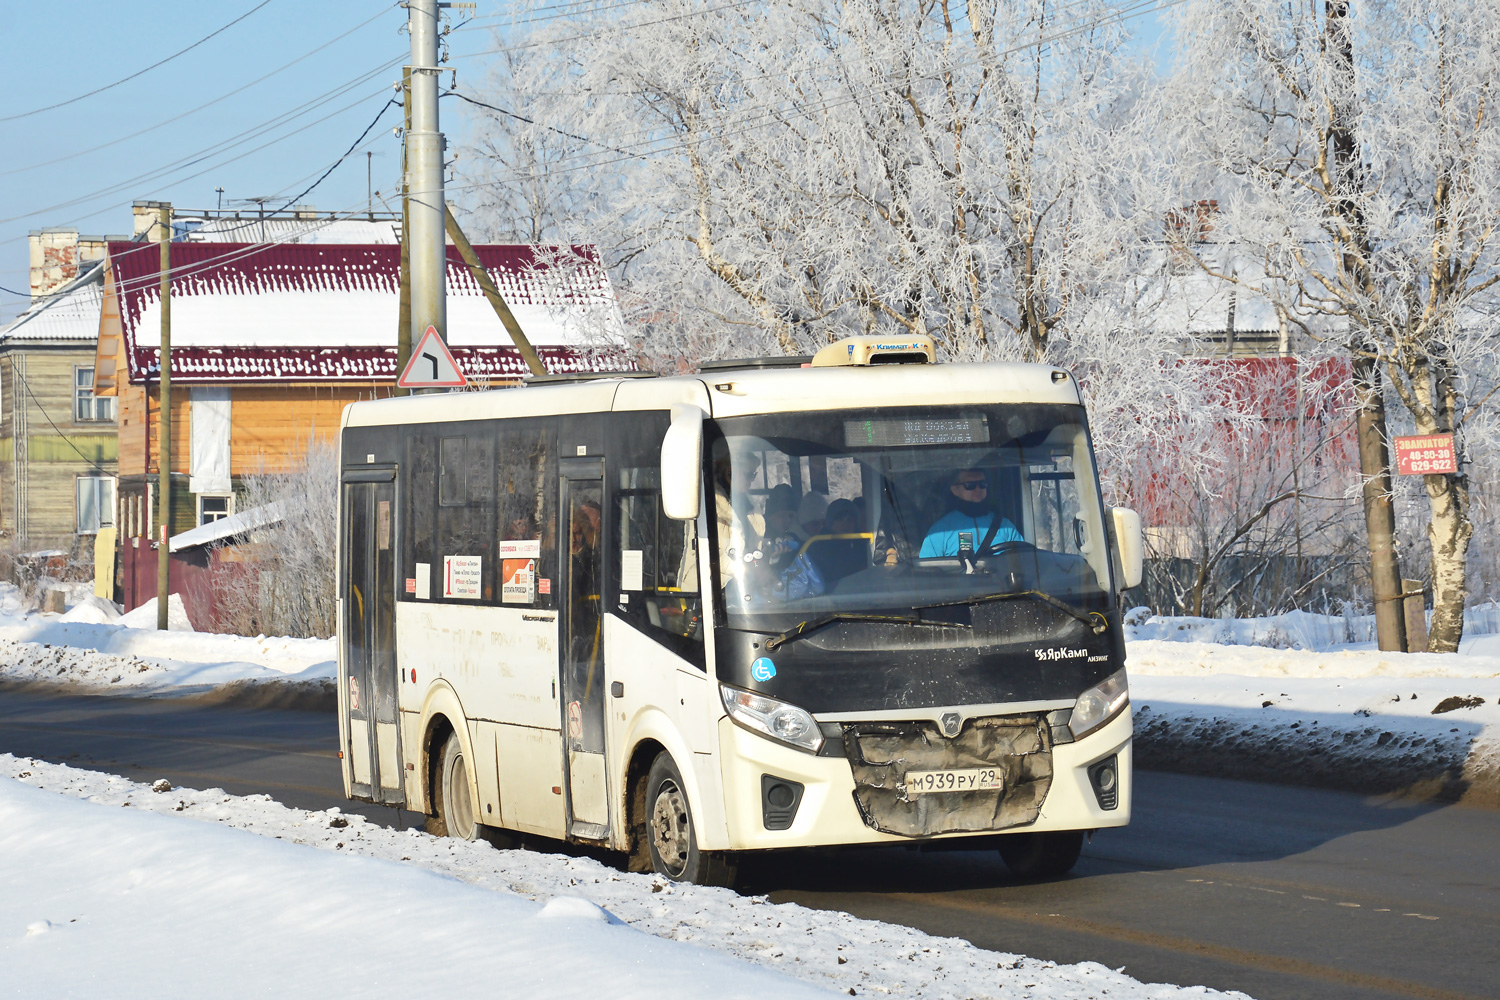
point(1425, 454)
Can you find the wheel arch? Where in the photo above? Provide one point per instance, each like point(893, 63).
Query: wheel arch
point(442, 713)
point(653, 733)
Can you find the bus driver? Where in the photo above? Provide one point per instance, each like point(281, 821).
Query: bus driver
point(963, 529)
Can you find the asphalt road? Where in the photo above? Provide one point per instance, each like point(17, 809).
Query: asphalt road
point(1279, 892)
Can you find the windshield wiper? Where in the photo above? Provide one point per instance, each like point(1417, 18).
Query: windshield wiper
point(1093, 619)
point(813, 624)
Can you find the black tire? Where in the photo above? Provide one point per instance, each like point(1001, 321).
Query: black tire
point(450, 798)
point(670, 837)
point(1041, 855)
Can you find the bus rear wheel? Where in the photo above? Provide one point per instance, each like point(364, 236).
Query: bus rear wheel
point(670, 836)
point(1041, 855)
point(455, 809)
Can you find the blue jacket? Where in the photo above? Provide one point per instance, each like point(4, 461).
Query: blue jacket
point(943, 537)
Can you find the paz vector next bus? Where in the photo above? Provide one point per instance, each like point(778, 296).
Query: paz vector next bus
point(861, 599)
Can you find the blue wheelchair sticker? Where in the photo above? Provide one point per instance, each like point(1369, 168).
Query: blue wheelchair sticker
point(763, 669)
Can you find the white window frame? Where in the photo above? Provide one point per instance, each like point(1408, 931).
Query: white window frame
point(104, 504)
point(228, 499)
point(101, 409)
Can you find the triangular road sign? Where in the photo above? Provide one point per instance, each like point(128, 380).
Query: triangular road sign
point(431, 366)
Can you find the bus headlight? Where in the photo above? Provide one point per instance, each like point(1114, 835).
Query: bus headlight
point(776, 719)
point(1099, 704)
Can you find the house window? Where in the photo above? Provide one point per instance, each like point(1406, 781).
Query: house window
point(87, 406)
point(96, 503)
point(214, 508)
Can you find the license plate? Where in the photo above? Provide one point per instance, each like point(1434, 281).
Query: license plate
point(974, 779)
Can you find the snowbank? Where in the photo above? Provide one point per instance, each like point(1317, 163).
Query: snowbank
point(125, 903)
point(1350, 718)
point(94, 646)
point(159, 904)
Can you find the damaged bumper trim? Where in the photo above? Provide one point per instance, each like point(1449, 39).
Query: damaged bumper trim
point(1016, 748)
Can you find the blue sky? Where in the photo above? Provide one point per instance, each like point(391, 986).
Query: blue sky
point(256, 140)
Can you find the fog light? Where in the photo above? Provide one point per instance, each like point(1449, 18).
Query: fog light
point(779, 799)
point(1105, 777)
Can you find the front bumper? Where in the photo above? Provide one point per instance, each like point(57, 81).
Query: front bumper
point(828, 815)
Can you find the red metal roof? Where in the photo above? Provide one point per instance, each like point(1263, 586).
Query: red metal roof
point(327, 312)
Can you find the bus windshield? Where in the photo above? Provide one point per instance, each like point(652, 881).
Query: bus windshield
point(895, 510)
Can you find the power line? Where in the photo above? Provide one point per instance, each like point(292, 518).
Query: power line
point(225, 144)
point(132, 76)
point(14, 292)
point(529, 121)
point(176, 118)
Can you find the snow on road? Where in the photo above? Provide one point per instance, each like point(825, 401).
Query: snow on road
point(123, 894)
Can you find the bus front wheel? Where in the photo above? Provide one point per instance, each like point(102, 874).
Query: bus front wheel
point(455, 809)
point(1041, 855)
point(670, 836)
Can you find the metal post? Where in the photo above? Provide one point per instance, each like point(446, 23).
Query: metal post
point(424, 157)
point(403, 317)
point(164, 458)
point(497, 301)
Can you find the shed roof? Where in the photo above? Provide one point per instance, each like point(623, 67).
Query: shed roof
point(328, 312)
point(71, 314)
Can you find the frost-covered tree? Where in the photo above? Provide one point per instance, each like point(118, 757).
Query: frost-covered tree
point(789, 173)
point(1356, 146)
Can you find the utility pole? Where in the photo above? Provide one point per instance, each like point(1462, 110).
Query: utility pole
point(164, 457)
point(424, 160)
point(370, 184)
point(403, 317)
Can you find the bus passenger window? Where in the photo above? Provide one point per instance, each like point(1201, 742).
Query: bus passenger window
point(525, 494)
point(654, 579)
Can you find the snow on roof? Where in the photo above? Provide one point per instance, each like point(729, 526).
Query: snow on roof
point(226, 527)
point(284, 230)
point(69, 314)
point(327, 312)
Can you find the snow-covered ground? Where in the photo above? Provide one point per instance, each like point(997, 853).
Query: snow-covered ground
point(93, 645)
point(116, 889)
point(1345, 714)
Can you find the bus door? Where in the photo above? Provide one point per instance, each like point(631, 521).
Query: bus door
point(582, 668)
point(368, 633)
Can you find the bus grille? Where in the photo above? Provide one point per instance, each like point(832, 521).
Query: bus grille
point(881, 754)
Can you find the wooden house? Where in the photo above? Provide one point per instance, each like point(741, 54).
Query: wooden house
point(57, 439)
point(270, 342)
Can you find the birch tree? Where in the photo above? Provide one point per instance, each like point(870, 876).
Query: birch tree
point(1357, 146)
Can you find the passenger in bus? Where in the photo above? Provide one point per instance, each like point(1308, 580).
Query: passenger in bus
point(837, 558)
point(739, 529)
point(780, 543)
point(812, 515)
point(964, 528)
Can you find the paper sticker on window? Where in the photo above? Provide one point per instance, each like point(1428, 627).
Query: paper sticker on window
point(383, 525)
point(411, 585)
point(521, 548)
point(461, 576)
point(544, 585)
point(518, 581)
point(424, 581)
point(630, 569)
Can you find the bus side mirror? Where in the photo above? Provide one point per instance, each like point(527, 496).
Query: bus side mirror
point(682, 463)
point(1131, 547)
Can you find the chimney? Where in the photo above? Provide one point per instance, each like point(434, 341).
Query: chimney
point(54, 260)
point(92, 248)
point(147, 213)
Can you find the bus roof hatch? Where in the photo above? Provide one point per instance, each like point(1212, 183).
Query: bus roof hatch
point(915, 350)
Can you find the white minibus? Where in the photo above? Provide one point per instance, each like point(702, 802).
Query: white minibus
point(862, 598)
